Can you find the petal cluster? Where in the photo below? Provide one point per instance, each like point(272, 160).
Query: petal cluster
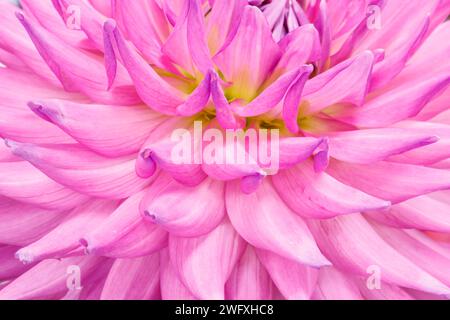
point(93, 204)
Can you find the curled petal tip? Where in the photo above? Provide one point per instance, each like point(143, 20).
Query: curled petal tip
point(25, 257)
point(110, 25)
point(151, 216)
point(251, 183)
point(87, 244)
point(84, 242)
point(321, 161)
point(145, 164)
point(322, 156)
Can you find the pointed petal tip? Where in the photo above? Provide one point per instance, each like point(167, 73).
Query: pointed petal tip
point(20, 16)
point(46, 112)
point(432, 139)
point(293, 98)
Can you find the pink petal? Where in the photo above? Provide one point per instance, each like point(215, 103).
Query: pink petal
point(91, 20)
point(402, 102)
point(385, 292)
point(36, 188)
point(353, 246)
point(198, 99)
point(372, 145)
point(124, 234)
point(108, 130)
point(347, 82)
point(133, 279)
point(76, 70)
point(64, 238)
point(297, 149)
point(264, 221)
point(416, 251)
point(171, 286)
point(335, 285)
point(22, 224)
point(181, 210)
point(319, 195)
point(159, 151)
point(250, 56)
point(204, 264)
point(224, 113)
point(223, 22)
point(48, 279)
point(152, 89)
point(271, 96)
point(299, 46)
point(391, 181)
point(422, 213)
point(294, 280)
point(249, 280)
point(145, 24)
point(293, 98)
point(83, 170)
point(44, 12)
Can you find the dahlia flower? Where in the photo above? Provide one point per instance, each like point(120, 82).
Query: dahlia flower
point(94, 206)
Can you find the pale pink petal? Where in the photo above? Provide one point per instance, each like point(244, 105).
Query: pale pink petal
point(223, 22)
point(83, 170)
point(347, 82)
point(108, 130)
point(372, 145)
point(422, 213)
point(22, 224)
point(250, 56)
point(204, 264)
point(264, 221)
point(125, 234)
point(334, 285)
point(133, 279)
point(294, 280)
point(319, 195)
point(385, 292)
point(22, 182)
point(78, 71)
point(171, 286)
point(391, 181)
point(65, 237)
point(152, 89)
point(183, 211)
point(353, 246)
point(249, 280)
point(48, 279)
